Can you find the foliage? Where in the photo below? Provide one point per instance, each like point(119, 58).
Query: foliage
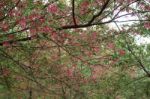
point(66, 49)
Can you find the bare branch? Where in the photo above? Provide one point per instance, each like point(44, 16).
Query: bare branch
point(73, 12)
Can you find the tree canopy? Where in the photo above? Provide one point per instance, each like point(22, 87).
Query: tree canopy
point(69, 49)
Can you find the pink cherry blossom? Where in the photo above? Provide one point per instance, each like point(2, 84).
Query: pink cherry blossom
point(147, 25)
point(94, 78)
point(6, 44)
point(96, 49)
point(52, 8)
point(70, 72)
point(5, 72)
point(54, 35)
point(34, 16)
point(4, 26)
point(47, 29)
point(122, 52)
point(111, 45)
point(42, 20)
point(14, 13)
point(84, 7)
point(114, 61)
point(84, 4)
point(33, 32)
point(147, 8)
point(22, 23)
point(94, 35)
point(11, 36)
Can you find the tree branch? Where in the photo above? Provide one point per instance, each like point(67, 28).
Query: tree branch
point(1, 19)
point(100, 12)
point(73, 12)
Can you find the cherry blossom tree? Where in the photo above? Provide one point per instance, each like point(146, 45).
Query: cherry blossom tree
point(59, 48)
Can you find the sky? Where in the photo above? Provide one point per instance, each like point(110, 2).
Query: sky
point(139, 39)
